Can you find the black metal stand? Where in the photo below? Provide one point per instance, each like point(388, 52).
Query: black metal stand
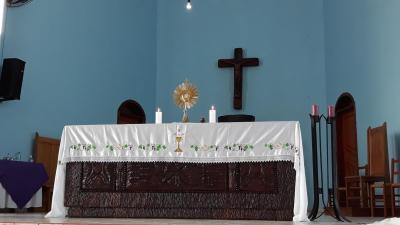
point(318, 173)
point(314, 211)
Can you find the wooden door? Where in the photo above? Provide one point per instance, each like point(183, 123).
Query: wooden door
point(346, 128)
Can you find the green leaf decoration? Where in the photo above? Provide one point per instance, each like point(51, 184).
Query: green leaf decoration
point(283, 146)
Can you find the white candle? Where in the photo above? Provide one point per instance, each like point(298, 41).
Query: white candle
point(158, 116)
point(212, 115)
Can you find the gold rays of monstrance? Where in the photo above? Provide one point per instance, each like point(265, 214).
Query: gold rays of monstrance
point(185, 96)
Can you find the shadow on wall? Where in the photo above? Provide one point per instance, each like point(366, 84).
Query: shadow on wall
point(396, 153)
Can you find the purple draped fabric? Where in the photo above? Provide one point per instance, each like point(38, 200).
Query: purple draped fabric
point(21, 180)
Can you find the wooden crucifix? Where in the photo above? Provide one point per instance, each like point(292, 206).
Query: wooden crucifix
point(238, 62)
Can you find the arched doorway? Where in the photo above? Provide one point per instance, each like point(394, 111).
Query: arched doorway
point(346, 133)
point(130, 112)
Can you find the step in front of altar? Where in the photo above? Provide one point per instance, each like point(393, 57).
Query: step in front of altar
point(181, 190)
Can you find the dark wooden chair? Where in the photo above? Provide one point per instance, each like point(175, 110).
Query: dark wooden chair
point(342, 190)
point(395, 184)
point(46, 153)
point(392, 186)
point(362, 188)
point(236, 118)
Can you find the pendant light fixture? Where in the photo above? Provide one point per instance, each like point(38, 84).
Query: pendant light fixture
point(188, 5)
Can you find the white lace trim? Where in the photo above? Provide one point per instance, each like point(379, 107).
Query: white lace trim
point(290, 158)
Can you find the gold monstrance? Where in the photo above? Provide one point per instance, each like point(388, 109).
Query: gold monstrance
point(185, 97)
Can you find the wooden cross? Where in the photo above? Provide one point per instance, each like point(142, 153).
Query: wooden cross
point(238, 63)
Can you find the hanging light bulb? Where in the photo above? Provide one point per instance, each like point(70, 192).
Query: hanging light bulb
point(188, 5)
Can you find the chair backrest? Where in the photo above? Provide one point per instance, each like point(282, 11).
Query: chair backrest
point(395, 171)
point(378, 163)
point(46, 152)
point(236, 118)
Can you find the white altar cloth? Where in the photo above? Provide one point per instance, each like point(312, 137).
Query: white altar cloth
point(7, 202)
point(200, 143)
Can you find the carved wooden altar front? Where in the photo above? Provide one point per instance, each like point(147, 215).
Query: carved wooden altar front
point(181, 190)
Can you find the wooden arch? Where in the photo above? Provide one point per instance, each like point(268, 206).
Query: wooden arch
point(346, 133)
point(131, 112)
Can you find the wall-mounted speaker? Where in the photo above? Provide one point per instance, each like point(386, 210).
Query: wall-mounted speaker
point(11, 79)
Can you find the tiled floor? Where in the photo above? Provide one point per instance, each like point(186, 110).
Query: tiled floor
point(38, 219)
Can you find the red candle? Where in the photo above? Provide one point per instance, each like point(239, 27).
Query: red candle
point(331, 111)
point(314, 110)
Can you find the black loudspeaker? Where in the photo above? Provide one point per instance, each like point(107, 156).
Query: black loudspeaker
point(11, 79)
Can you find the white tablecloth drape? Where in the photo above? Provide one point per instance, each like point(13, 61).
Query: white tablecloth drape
point(199, 143)
point(7, 202)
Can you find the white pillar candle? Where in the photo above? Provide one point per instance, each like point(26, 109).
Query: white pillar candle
point(158, 116)
point(212, 115)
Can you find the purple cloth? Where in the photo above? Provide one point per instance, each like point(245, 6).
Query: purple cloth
point(21, 180)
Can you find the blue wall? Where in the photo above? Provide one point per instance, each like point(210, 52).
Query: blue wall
point(362, 57)
point(287, 36)
point(83, 59)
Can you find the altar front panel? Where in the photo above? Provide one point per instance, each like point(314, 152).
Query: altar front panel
point(179, 177)
point(181, 190)
point(175, 177)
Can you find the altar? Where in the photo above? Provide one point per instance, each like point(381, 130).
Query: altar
point(182, 170)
